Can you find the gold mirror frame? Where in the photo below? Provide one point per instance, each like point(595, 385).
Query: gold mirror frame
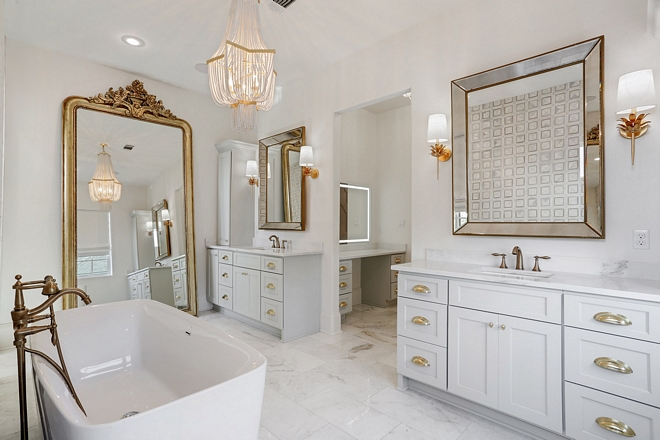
point(157, 225)
point(589, 55)
point(295, 139)
point(132, 102)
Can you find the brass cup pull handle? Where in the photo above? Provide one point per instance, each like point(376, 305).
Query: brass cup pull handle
point(270, 286)
point(270, 312)
point(419, 288)
point(615, 426)
point(418, 360)
point(397, 261)
point(244, 274)
point(612, 318)
point(225, 257)
point(343, 268)
point(343, 284)
point(225, 297)
point(613, 365)
point(420, 320)
point(225, 275)
point(270, 265)
point(343, 305)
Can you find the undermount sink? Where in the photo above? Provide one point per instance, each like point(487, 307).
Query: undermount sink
point(513, 273)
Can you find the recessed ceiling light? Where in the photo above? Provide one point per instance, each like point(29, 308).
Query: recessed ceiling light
point(132, 41)
point(202, 68)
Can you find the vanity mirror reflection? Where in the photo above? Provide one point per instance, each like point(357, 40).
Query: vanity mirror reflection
point(528, 150)
point(354, 214)
point(140, 242)
point(282, 186)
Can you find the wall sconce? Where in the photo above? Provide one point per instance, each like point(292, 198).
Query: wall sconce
point(251, 172)
point(150, 228)
point(636, 93)
point(166, 218)
point(437, 132)
point(306, 161)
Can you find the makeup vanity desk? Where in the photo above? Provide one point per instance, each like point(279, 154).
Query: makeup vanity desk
point(378, 282)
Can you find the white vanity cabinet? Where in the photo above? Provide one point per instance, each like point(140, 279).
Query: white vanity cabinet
point(179, 281)
point(345, 287)
point(152, 283)
point(508, 363)
point(279, 292)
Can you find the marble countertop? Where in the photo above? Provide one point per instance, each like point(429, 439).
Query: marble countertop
point(364, 253)
point(631, 288)
point(268, 251)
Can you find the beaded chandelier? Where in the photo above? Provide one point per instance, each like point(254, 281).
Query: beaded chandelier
point(104, 186)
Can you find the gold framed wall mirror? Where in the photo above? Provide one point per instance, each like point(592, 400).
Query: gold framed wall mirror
point(143, 245)
point(527, 147)
point(281, 183)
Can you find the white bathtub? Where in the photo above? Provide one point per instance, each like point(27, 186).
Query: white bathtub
point(186, 379)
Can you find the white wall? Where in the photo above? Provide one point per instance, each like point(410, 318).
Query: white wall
point(37, 81)
point(164, 188)
point(472, 37)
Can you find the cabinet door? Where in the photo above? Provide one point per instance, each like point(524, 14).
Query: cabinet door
point(247, 292)
point(472, 355)
point(530, 380)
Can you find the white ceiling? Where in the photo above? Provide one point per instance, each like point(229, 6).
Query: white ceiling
point(309, 35)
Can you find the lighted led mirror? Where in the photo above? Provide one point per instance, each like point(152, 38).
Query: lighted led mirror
point(528, 150)
point(354, 213)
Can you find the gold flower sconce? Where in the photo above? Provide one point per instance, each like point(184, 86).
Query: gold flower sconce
point(437, 133)
point(636, 93)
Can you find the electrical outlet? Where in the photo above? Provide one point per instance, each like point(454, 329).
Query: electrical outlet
point(641, 239)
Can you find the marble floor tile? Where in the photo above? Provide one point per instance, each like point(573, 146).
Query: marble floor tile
point(264, 434)
point(404, 432)
point(293, 384)
point(287, 419)
point(349, 415)
point(329, 432)
point(284, 354)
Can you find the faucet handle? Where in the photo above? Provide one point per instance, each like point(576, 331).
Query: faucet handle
point(284, 242)
point(536, 262)
point(503, 264)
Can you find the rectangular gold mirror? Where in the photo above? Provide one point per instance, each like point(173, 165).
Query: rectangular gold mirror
point(281, 183)
point(161, 224)
point(528, 153)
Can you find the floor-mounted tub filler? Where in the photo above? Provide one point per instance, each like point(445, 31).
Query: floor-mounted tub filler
point(143, 370)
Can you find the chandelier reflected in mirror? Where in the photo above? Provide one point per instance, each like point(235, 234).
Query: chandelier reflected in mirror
point(241, 74)
point(104, 186)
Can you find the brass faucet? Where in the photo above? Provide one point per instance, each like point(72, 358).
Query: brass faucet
point(519, 258)
point(275, 240)
point(22, 317)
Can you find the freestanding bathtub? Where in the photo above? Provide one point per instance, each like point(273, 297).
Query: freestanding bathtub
point(184, 378)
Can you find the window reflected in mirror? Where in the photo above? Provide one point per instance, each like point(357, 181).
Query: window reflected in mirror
point(354, 213)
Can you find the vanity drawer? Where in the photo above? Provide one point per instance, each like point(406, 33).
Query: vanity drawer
point(345, 283)
point(182, 263)
point(272, 286)
point(226, 257)
point(421, 361)
point(345, 303)
point(272, 313)
point(394, 291)
point(424, 288)
point(617, 317)
point(249, 261)
point(143, 275)
point(147, 286)
point(134, 291)
point(394, 276)
point(584, 406)
point(345, 266)
point(422, 320)
point(180, 297)
point(225, 297)
point(398, 259)
point(583, 347)
point(524, 302)
point(225, 271)
point(176, 279)
point(133, 278)
point(176, 265)
point(272, 264)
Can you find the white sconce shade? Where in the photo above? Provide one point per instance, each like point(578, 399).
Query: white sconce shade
point(150, 227)
point(268, 172)
point(251, 168)
point(636, 91)
point(166, 215)
point(437, 131)
point(306, 156)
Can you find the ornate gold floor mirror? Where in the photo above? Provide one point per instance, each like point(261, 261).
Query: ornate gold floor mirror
point(112, 227)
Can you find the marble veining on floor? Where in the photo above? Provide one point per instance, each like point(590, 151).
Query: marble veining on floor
point(320, 387)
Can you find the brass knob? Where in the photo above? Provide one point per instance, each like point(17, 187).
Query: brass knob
point(490, 324)
point(225, 257)
point(397, 261)
point(396, 274)
point(418, 360)
point(270, 265)
point(419, 288)
point(420, 320)
point(225, 297)
point(343, 305)
point(503, 327)
point(176, 280)
point(270, 286)
point(343, 284)
point(396, 290)
point(178, 297)
point(244, 274)
point(270, 312)
point(612, 318)
point(343, 268)
point(615, 426)
point(225, 275)
point(613, 365)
